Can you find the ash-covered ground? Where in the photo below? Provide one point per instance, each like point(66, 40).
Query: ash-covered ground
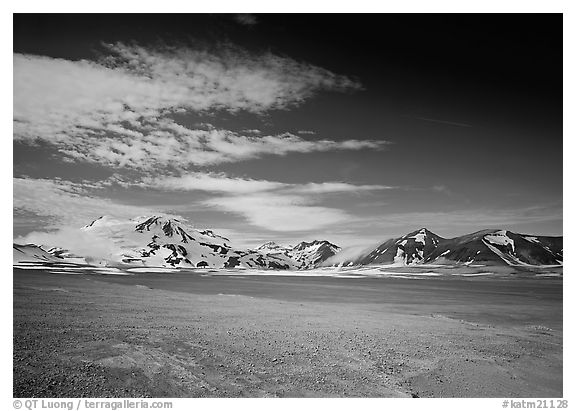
point(203, 335)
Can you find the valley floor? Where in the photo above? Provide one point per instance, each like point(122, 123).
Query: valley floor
point(191, 335)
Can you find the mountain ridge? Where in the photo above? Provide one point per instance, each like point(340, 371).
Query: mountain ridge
point(160, 241)
point(491, 246)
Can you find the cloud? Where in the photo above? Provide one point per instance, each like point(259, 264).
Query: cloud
point(57, 98)
point(267, 204)
point(167, 144)
point(76, 241)
point(117, 111)
point(337, 187)
point(280, 212)
point(228, 77)
point(450, 123)
point(352, 253)
point(214, 183)
point(442, 189)
point(220, 183)
point(246, 19)
point(66, 203)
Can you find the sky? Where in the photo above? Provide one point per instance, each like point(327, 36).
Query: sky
point(352, 128)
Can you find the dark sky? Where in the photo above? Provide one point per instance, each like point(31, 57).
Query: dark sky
point(470, 105)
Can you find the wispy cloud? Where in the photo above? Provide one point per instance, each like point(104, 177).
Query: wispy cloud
point(65, 97)
point(77, 241)
point(280, 212)
point(117, 111)
point(336, 187)
point(450, 123)
point(441, 188)
point(134, 80)
point(167, 144)
point(66, 203)
point(214, 183)
point(221, 183)
point(271, 205)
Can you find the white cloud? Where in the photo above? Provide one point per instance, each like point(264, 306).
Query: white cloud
point(55, 99)
point(268, 204)
point(76, 241)
point(280, 212)
point(66, 203)
point(115, 112)
point(167, 144)
point(352, 252)
point(170, 145)
point(337, 187)
point(227, 77)
point(215, 183)
point(220, 183)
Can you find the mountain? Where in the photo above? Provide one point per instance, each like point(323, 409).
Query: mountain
point(159, 241)
point(411, 248)
point(312, 254)
point(518, 249)
point(167, 242)
point(31, 253)
point(272, 248)
point(304, 255)
point(486, 247)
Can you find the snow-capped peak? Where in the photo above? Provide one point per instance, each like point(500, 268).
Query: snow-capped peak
point(270, 246)
point(420, 236)
point(305, 254)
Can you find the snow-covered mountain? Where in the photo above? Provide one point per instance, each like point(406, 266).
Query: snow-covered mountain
point(167, 242)
point(312, 254)
point(31, 253)
point(482, 247)
point(304, 255)
point(273, 248)
point(159, 241)
point(412, 248)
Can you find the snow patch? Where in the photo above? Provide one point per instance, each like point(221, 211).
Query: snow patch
point(420, 237)
point(500, 238)
point(152, 270)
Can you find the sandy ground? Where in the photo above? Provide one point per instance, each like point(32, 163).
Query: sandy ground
point(186, 335)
